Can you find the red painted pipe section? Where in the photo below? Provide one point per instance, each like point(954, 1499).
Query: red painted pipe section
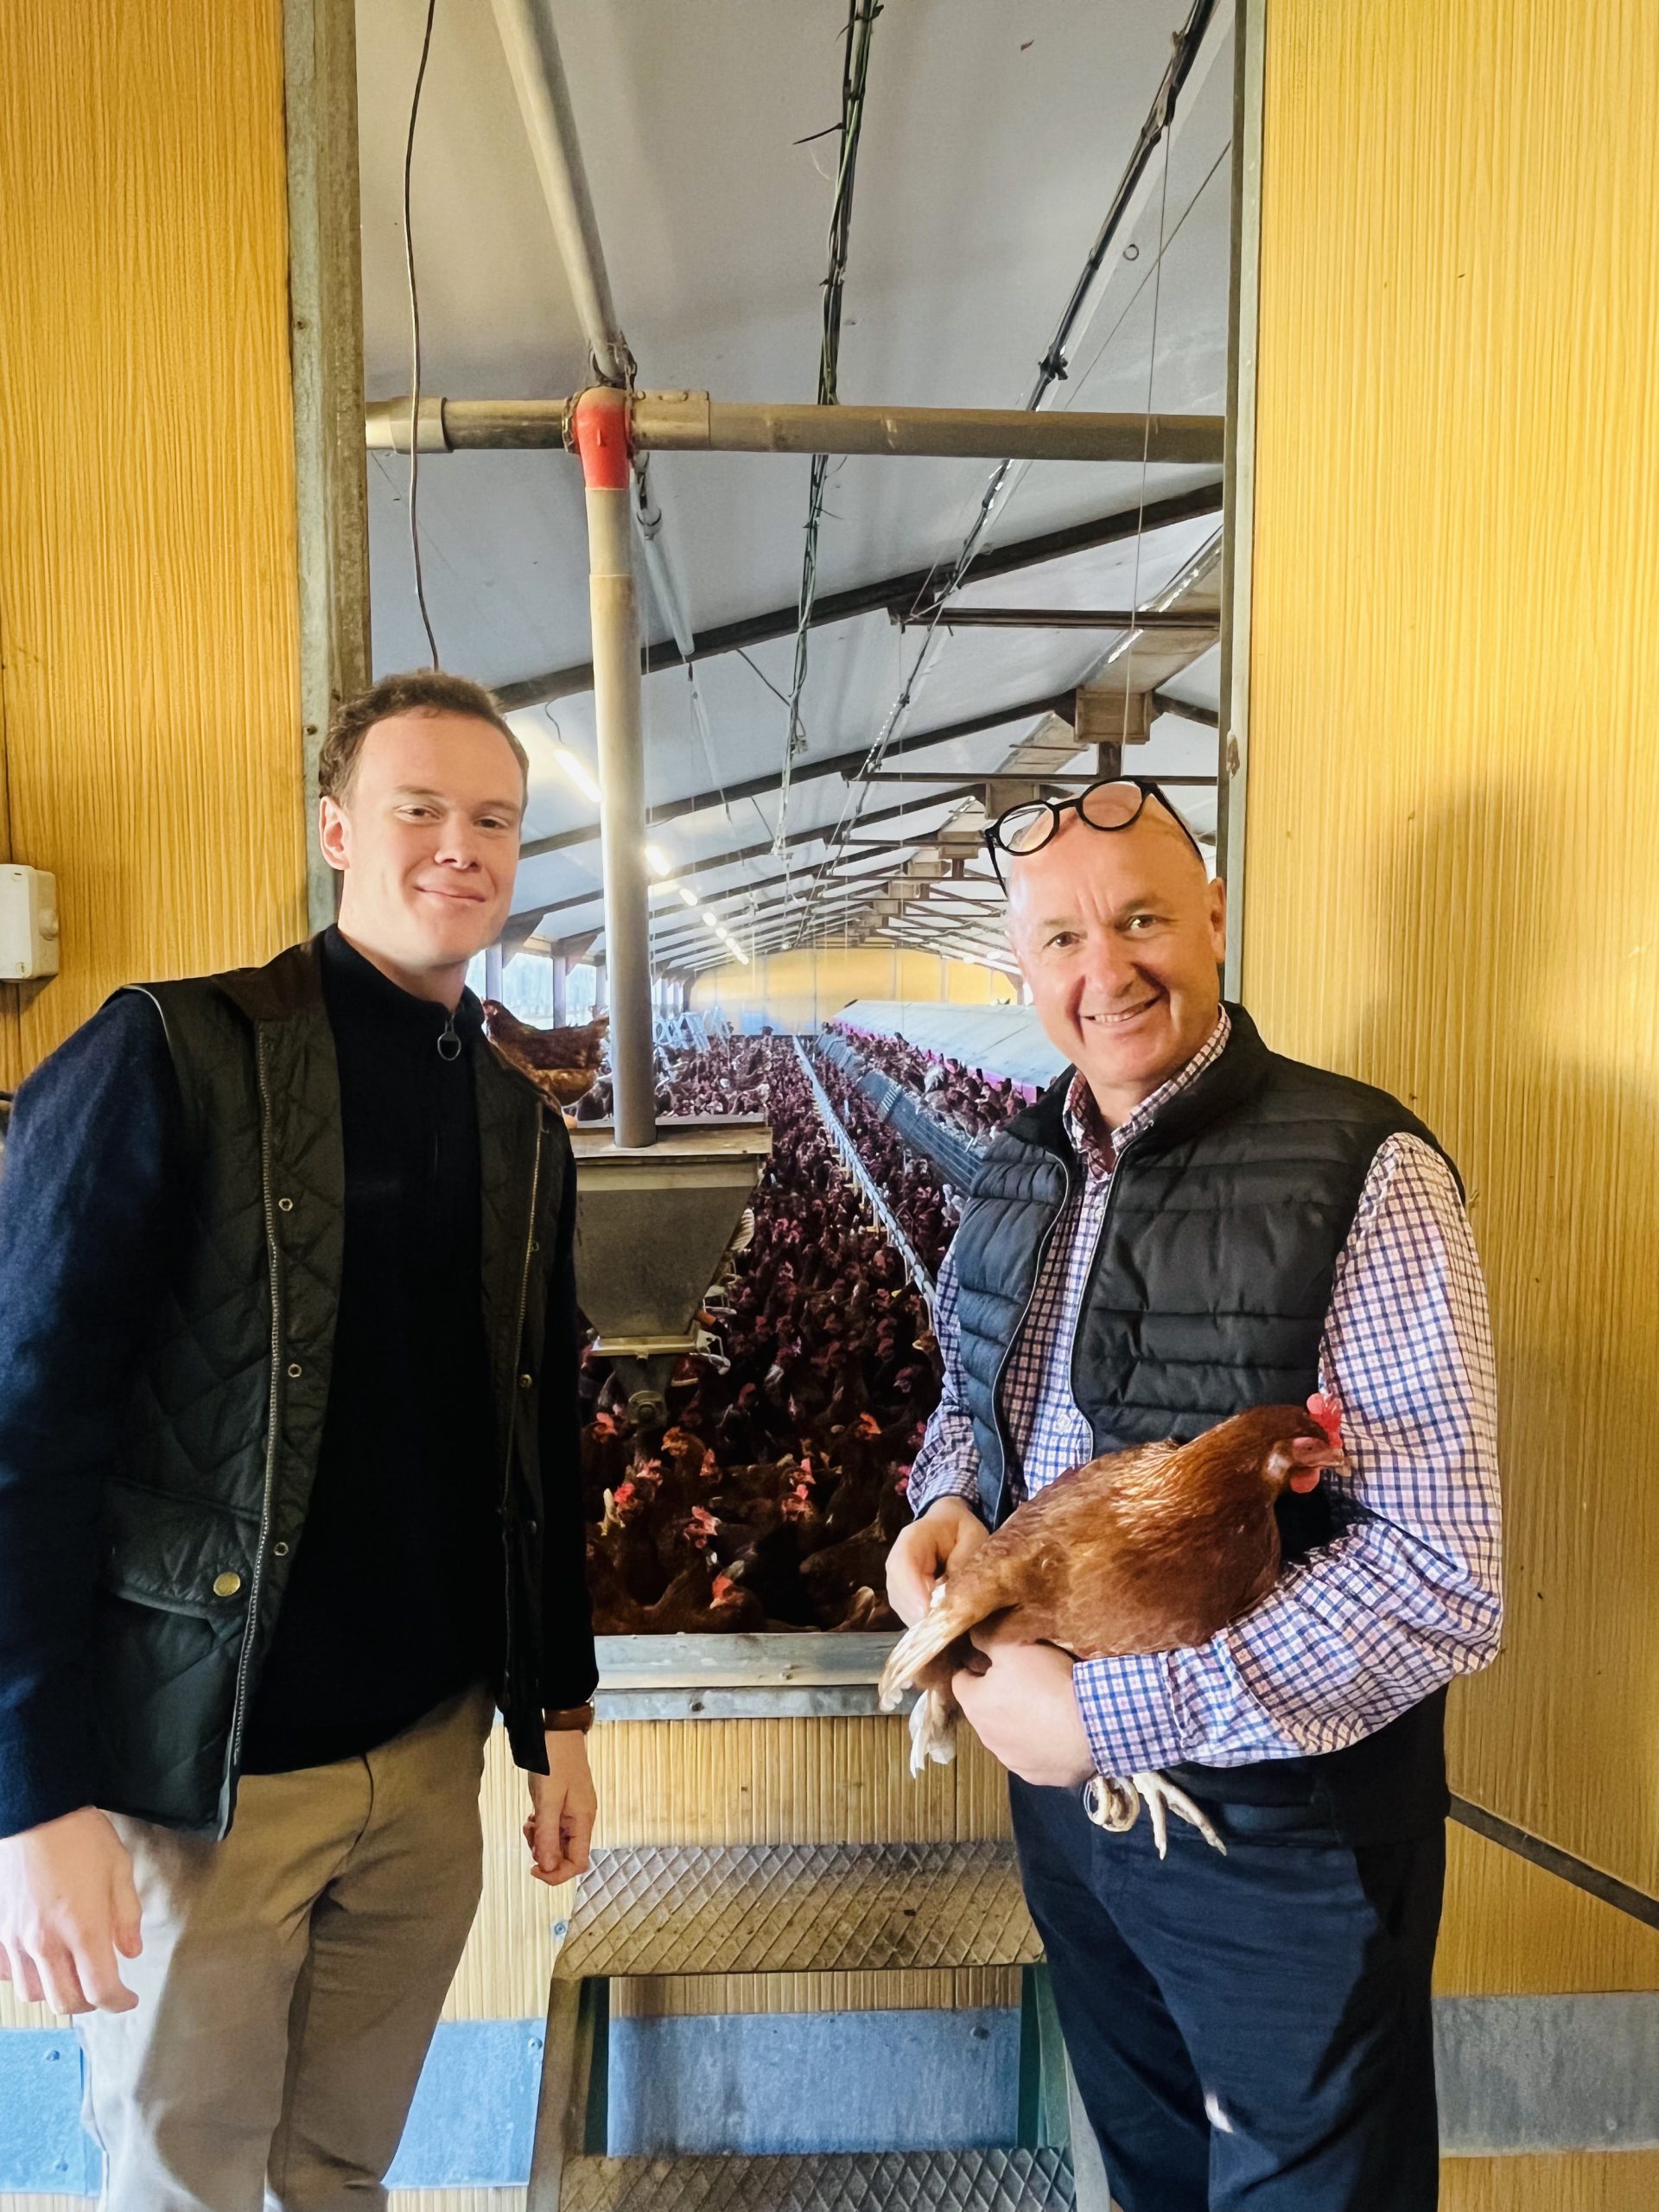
point(601, 424)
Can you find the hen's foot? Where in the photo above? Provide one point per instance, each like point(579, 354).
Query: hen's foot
point(932, 1732)
point(1111, 1802)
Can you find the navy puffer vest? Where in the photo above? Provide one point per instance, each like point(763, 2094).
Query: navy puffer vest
point(1207, 1295)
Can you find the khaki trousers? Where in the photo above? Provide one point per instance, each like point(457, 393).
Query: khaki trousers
point(290, 1980)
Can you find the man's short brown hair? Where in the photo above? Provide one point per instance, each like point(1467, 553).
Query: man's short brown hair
point(424, 692)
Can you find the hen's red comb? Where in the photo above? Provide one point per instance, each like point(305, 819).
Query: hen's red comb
point(1328, 1414)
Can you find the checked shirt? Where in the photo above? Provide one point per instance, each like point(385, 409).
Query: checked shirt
point(1409, 1592)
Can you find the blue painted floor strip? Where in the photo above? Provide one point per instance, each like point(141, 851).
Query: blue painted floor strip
point(778, 2081)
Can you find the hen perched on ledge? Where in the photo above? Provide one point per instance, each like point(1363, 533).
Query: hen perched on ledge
point(562, 1063)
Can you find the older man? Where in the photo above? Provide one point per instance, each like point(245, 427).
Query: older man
point(1188, 1225)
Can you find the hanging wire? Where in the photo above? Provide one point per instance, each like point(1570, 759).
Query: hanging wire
point(1051, 369)
point(1146, 436)
point(415, 337)
point(855, 69)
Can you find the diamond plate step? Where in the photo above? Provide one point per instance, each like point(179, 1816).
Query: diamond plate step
point(799, 1909)
point(888, 2181)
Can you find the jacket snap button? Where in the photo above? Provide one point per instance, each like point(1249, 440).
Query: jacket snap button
point(284, 1205)
point(526, 1381)
point(279, 1551)
point(295, 1370)
point(226, 1585)
point(532, 1528)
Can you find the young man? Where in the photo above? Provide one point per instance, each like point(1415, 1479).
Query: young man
point(1186, 1226)
point(288, 1499)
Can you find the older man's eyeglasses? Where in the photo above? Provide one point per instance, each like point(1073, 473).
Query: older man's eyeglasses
point(1115, 802)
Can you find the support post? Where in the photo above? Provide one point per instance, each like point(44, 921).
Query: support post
point(326, 352)
point(600, 422)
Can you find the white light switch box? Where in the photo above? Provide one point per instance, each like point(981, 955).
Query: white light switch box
point(28, 923)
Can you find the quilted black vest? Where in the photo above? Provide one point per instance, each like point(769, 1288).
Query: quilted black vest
point(225, 1423)
point(1207, 1295)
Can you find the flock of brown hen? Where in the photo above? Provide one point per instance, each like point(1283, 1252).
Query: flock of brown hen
point(770, 1496)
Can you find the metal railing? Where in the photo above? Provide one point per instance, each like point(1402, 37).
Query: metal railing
point(832, 1122)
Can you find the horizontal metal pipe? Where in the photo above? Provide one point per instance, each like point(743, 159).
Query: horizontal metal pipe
point(690, 421)
point(1006, 774)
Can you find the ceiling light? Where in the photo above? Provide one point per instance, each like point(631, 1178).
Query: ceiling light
point(578, 771)
point(689, 896)
point(658, 862)
point(713, 919)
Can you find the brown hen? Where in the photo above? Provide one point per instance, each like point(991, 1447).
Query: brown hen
point(1144, 1550)
point(562, 1063)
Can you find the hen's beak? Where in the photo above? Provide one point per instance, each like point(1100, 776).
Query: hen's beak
point(1310, 1458)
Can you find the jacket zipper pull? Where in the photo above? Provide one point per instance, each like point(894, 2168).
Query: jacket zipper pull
point(448, 1043)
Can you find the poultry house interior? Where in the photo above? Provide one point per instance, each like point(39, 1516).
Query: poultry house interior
point(768, 1495)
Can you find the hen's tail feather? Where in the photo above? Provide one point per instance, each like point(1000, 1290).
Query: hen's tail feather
point(935, 1630)
point(933, 1731)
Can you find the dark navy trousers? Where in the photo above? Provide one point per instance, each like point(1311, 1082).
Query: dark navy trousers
point(1250, 2033)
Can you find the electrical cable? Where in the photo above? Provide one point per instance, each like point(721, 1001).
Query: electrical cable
point(855, 69)
point(414, 336)
point(1146, 438)
point(1081, 382)
point(1051, 369)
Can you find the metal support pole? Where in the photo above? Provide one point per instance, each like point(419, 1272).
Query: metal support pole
point(561, 990)
point(601, 432)
point(494, 964)
point(532, 46)
point(325, 293)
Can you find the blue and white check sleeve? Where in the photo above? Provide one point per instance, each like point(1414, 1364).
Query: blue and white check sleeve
point(947, 1464)
point(1409, 1593)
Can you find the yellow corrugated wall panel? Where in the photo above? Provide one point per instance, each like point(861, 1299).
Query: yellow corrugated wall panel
point(1512, 1931)
point(148, 614)
point(795, 989)
point(1615, 2182)
point(1453, 782)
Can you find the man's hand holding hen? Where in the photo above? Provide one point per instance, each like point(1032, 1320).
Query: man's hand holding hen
point(950, 1528)
point(1023, 1710)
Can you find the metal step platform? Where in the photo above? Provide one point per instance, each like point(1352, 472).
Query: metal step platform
point(799, 1909)
point(873, 2181)
point(794, 1908)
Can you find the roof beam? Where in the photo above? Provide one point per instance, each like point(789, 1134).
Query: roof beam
point(819, 835)
point(791, 879)
point(1206, 717)
point(1061, 618)
point(807, 771)
point(908, 589)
